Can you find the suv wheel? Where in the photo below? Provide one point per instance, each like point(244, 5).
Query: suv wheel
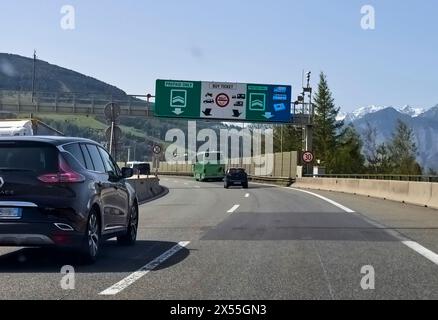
point(130, 237)
point(91, 244)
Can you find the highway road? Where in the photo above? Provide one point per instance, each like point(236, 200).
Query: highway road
point(201, 241)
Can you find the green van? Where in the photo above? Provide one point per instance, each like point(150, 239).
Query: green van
point(209, 166)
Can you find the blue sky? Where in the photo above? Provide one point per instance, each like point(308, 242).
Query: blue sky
point(131, 43)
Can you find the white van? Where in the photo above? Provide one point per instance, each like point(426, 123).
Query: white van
point(10, 128)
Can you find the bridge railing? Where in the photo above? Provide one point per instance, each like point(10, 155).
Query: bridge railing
point(94, 103)
point(71, 102)
point(393, 177)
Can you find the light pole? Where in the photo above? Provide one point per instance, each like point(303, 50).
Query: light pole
point(33, 73)
point(307, 125)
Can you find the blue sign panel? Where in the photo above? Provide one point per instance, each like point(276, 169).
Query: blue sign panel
point(269, 103)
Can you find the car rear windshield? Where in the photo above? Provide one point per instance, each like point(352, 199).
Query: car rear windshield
point(236, 171)
point(38, 158)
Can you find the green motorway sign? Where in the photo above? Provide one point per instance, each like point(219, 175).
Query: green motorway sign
point(223, 101)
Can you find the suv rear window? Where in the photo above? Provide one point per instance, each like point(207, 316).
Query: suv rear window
point(38, 158)
point(236, 171)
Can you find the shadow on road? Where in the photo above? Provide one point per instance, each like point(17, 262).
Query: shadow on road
point(113, 258)
point(298, 226)
point(260, 186)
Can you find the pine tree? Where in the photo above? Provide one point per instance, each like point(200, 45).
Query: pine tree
point(348, 158)
point(370, 148)
point(383, 161)
point(403, 151)
point(326, 127)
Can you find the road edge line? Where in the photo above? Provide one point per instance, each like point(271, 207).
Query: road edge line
point(137, 275)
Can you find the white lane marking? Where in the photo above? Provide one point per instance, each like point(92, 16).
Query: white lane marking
point(234, 208)
point(186, 183)
point(197, 187)
point(340, 206)
point(432, 256)
point(247, 195)
point(418, 248)
point(129, 280)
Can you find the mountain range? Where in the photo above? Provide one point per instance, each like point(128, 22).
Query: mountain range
point(423, 121)
point(361, 112)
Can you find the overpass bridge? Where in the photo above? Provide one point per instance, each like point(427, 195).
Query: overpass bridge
point(94, 104)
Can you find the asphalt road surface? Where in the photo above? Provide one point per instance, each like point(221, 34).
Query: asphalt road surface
point(202, 241)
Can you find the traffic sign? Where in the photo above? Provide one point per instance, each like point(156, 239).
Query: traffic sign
point(308, 157)
point(223, 101)
point(157, 149)
point(112, 111)
point(177, 99)
point(116, 131)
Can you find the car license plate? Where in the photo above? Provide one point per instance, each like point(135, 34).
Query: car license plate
point(10, 213)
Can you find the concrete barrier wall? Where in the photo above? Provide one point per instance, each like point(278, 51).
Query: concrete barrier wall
point(418, 193)
point(284, 165)
point(146, 188)
point(433, 202)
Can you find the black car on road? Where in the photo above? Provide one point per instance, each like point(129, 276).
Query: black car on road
point(236, 177)
point(64, 192)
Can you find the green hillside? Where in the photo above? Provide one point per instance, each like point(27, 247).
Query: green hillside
point(16, 73)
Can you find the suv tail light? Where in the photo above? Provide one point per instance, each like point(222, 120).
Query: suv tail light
point(65, 174)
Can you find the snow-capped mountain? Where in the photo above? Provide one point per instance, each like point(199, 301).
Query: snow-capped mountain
point(411, 111)
point(363, 111)
point(423, 123)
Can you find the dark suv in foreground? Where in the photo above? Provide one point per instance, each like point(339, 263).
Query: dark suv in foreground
point(236, 177)
point(64, 192)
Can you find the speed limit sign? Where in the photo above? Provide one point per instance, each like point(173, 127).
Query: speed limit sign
point(308, 157)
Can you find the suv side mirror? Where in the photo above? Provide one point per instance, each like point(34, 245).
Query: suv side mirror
point(127, 172)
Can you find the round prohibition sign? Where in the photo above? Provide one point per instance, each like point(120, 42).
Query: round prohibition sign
point(222, 100)
point(157, 149)
point(308, 157)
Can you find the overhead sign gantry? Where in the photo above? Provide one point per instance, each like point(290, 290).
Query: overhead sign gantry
point(223, 101)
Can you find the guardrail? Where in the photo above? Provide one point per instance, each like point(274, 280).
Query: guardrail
point(281, 181)
point(432, 179)
point(176, 174)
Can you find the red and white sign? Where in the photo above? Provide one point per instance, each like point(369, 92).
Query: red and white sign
point(222, 100)
point(308, 157)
